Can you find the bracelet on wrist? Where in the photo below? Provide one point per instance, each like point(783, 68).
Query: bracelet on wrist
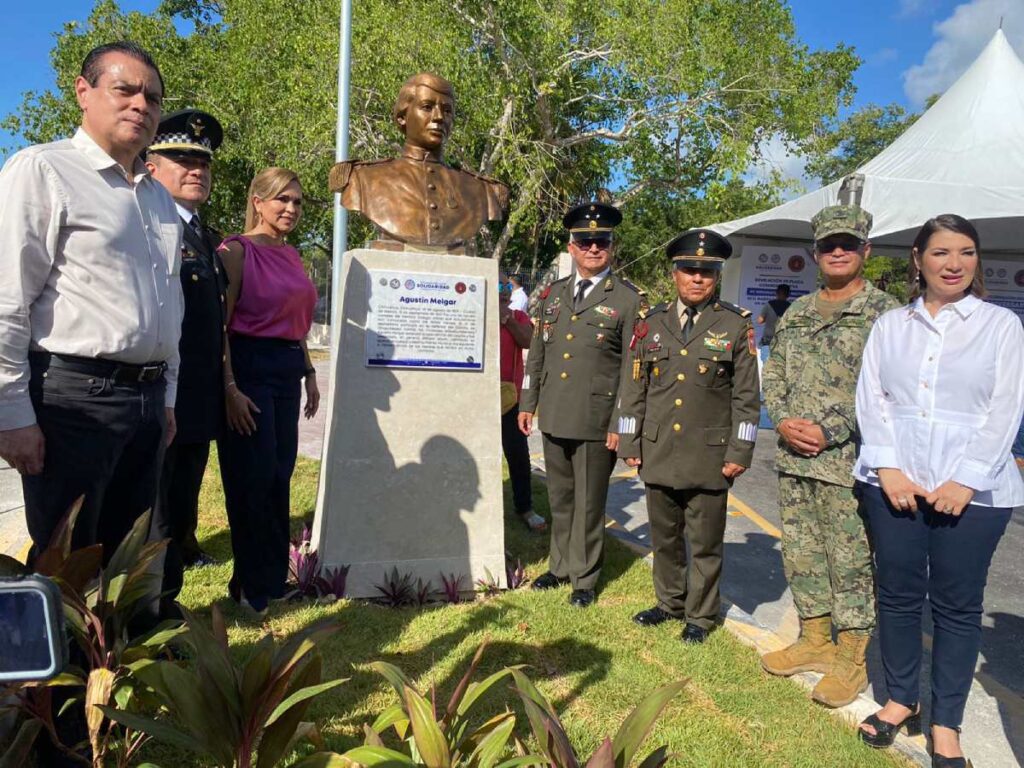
point(230, 384)
point(310, 371)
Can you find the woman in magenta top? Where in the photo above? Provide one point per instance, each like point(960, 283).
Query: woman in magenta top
point(270, 309)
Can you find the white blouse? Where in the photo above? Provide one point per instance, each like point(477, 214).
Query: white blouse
point(942, 398)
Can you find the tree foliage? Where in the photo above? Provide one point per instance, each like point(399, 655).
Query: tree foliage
point(860, 137)
point(665, 103)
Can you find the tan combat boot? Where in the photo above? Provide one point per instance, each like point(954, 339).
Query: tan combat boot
point(849, 674)
point(812, 652)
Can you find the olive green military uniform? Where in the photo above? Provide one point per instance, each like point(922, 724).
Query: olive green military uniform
point(812, 373)
point(571, 383)
point(688, 406)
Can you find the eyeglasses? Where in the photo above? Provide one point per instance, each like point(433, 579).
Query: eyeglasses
point(847, 243)
point(505, 287)
point(602, 243)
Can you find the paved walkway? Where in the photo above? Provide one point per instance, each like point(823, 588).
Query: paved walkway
point(760, 607)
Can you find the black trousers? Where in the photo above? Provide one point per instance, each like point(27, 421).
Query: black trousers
point(257, 468)
point(945, 559)
point(104, 441)
point(177, 514)
point(578, 473)
point(517, 454)
point(687, 533)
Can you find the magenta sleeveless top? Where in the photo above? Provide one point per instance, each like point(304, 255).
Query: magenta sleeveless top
point(277, 298)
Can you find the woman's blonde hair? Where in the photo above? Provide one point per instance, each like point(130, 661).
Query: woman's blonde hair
point(948, 222)
point(266, 185)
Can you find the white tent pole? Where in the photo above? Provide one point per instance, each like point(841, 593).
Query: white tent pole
point(340, 236)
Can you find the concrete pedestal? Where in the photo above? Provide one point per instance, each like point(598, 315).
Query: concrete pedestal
point(411, 470)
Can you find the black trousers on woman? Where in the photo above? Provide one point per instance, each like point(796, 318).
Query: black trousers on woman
point(257, 469)
point(517, 454)
point(942, 557)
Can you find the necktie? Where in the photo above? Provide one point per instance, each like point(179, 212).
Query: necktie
point(195, 225)
point(690, 312)
point(581, 289)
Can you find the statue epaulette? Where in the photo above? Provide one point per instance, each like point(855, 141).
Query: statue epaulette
point(342, 171)
point(734, 308)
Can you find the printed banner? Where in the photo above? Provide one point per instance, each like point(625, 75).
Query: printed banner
point(1004, 281)
point(764, 267)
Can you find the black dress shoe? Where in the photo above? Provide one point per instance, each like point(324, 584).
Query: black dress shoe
point(941, 761)
point(548, 581)
point(694, 634)
point(652, 617)
point(199, 560)
point(582, 598)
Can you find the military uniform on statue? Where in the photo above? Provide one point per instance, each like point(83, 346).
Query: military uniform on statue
point(688, 420)
point(572, 380)
point(179, 158)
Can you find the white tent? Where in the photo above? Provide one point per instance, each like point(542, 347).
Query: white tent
point(965, 155)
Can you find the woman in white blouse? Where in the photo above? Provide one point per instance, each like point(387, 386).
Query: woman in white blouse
point(940, 395)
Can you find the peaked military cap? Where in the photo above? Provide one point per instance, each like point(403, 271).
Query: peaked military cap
point(699, 249)
point(592, 218)
point(187, 132)
point(841, 220)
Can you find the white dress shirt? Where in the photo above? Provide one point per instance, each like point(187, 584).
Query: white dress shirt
point(90, 260)
point(593, 281)
point(519, 300)
point(941, 398)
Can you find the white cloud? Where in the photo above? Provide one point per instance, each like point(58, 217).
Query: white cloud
point(775, 156)
point(961, 37)
point(908, 8)
point(882, 56)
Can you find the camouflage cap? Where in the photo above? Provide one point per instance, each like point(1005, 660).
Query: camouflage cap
point(841, 219)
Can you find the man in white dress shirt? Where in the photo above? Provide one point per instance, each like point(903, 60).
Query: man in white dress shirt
point(90, 309)
point(519, 298)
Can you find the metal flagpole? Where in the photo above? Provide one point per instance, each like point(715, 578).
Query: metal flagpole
point(341, 153)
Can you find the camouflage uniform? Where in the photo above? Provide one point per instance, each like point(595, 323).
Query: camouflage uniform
point(812, 373)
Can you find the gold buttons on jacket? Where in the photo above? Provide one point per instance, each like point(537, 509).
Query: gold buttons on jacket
point(679, 402)
point(683, 352)
point(676, 427)
point(569, 337)
point(195, 278)
point(681, 377)
point(574, 318)
point(565, 375)
point(566, 355)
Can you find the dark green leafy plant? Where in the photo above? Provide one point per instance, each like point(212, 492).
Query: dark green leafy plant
point(447, 741)
point(244, 716)
point(452, 587)
point(488, 586)
point(99, 604)
point(619, 752)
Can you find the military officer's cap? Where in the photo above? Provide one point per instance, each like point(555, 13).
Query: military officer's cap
point(699, 249)
point(841, 220)
point(592, 218)
point(187, 132)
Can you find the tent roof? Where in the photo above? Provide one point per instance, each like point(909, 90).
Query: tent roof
point(964, 155)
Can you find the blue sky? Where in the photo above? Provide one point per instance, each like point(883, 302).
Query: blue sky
point(910, 48)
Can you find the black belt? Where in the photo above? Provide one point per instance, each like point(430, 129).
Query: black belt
point(119, 373)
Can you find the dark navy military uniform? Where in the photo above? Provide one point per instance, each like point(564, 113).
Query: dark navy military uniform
point(200, 409)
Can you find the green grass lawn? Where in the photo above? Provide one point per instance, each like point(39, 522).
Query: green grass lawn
point(594, 665)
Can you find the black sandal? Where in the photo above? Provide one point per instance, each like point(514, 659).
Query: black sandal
point(885, 733)
point(941, 761)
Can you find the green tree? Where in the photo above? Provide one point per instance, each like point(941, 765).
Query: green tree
point(666, 103)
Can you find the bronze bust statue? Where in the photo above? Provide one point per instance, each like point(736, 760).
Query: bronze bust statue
point(417, 199)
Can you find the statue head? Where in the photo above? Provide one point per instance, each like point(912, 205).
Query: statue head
point(425, 111)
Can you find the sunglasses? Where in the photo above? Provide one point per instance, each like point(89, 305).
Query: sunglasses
point(602, 243)
point(847, 243)
point(505, 287)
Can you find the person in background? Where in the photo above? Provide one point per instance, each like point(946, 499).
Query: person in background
point(179, 158)
point(939, 399)
point(769, 317)
point(90, 309)
point(516, 333)
point(809, 382)
point(270, 310)
point(519, 301)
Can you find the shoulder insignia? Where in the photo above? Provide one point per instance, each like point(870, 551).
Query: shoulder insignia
point(482, 177)
point(734, 308)
point(658, 308)
point(632, 286)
